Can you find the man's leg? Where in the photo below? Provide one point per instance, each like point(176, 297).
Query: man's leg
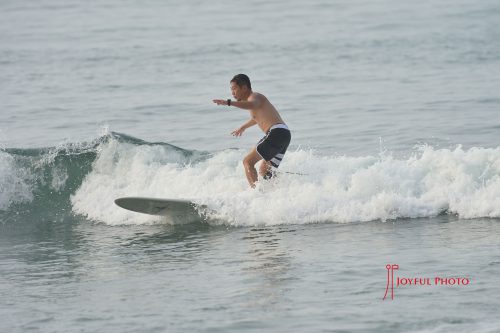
point(249, 164)
point(265, 169)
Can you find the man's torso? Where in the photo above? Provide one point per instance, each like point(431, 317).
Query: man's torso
point(266, 115)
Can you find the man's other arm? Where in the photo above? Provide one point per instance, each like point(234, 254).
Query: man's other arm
point(243, 127)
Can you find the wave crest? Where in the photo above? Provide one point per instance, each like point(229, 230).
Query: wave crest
point(85, 178)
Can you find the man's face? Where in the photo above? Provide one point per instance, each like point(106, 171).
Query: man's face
point(237, 91)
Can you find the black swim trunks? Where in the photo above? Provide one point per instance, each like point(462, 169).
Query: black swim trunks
point(273, 146)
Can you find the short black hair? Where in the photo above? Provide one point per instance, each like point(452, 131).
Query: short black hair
point(242, 80)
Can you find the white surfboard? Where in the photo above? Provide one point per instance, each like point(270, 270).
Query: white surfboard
point(174, 209)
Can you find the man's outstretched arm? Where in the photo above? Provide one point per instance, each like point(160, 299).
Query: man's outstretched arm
point(246, 105)
point(253, 103)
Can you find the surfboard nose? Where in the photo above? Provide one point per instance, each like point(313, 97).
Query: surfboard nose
point(176, 210)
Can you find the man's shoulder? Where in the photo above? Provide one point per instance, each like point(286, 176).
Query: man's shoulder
point(257, 96)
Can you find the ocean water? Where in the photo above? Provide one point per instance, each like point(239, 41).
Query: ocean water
point(394, 160)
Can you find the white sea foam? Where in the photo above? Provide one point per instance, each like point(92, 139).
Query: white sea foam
point(334, 188)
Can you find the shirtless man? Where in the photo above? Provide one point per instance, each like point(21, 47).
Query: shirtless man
point(272, 147)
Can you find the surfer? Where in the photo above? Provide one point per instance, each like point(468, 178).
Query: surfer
point(272, 147)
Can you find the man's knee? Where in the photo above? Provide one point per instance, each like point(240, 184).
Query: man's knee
point(249, 162)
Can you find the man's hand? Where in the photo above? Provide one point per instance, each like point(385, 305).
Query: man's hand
point(238, 132)
point(220, 101)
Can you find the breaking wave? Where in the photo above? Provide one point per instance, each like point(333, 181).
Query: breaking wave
point(84, 179)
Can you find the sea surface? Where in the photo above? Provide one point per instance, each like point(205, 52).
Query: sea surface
point(385, 216)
